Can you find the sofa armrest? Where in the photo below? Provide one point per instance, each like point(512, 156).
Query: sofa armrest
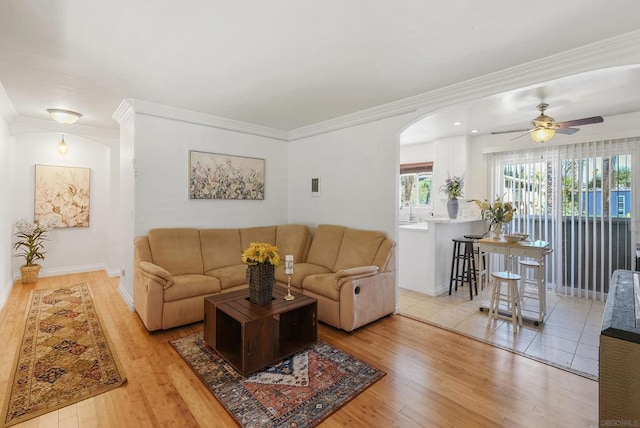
point(360, 271)
point(366, 299)
point(156, 273)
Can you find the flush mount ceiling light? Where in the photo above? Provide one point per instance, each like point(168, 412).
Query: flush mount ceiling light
point(66, 117)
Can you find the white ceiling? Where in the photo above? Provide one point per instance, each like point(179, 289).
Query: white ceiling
point(289, 64)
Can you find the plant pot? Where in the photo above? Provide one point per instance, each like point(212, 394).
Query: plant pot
point(261, 279)
point(452, 208)
point(29, 274)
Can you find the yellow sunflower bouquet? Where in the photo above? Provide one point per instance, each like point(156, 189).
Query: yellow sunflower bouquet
point(260, 253)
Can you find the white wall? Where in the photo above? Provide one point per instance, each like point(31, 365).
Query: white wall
point(5, 213)
point(358, 169)
point(162, 181)
point(450, 159)
point(126, 198)
point(412, 153)
point(68, 249)
point(154, 193)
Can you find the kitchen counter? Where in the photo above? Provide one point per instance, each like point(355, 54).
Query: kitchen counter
point(425, 249)
point(424, 224)
point(447, 220)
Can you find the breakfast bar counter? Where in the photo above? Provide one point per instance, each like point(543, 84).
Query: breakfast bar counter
point(424, 252)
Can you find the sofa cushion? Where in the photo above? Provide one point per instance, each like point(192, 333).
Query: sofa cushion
point(230, 276)
point(324, 284)
point(383, 257)
point(176, 250)
point(186, 286)
point(359, 248)
point(257, 234)
point(293, 239)
point(326, 245)
point(220, 248)
point(300, 271)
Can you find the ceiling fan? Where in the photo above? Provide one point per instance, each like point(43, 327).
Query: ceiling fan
point(543, 128)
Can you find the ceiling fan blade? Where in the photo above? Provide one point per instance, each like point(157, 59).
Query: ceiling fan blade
point(580, 122)
point(521, 135)
point(508, 132)
point(567, 131)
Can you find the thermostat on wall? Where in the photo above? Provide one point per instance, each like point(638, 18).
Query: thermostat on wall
point(315, 186)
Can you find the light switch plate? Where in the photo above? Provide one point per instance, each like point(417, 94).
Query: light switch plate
point(315, 186)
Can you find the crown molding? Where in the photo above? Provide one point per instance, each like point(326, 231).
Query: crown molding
point(7, 110)
point(123, 112)
point(168, 112)
point(619, 51)
point(24, 124)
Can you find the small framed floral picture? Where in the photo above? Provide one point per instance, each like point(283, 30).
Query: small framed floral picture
point(62, 196)
point(217, 176)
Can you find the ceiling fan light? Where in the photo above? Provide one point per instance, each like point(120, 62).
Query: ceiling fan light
point(542, 135)
point(66, 117)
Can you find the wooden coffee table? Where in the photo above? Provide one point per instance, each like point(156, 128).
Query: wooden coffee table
point(251, 337)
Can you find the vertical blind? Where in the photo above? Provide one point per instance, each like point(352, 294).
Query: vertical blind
point(580, 199)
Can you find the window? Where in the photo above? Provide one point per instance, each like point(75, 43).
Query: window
point(596, 186)
point(579, 198)
point(416, 184)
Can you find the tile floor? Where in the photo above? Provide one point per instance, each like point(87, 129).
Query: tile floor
point(569, 336)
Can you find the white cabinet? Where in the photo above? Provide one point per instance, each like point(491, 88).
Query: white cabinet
point(425, 251)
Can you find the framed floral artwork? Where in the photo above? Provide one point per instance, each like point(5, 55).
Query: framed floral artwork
point(62, 195)
point(218, 176)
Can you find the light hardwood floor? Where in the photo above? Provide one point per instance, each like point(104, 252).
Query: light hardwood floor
point(434, 378)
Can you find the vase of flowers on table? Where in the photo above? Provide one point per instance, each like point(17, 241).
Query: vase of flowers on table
point(452, 187)
point(261, 259)
point(497, 212)
point(30, 245)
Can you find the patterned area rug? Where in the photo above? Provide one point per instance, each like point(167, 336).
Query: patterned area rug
point(298, 392)
point(65, 356)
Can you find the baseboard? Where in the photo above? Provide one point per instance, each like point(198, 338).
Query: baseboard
point(126, 296)
point(441, 289)
point(4, 294)
point(66, 270)
point(112, 273)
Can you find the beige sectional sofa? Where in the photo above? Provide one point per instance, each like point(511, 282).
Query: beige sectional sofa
point(350, 272)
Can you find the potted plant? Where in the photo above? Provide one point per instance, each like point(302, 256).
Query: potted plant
point(497, 212)
point(30, 245)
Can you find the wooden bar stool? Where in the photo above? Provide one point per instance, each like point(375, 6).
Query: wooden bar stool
point(480, 261)
point(537, 289)
point(463, 252)
point(511, 296)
